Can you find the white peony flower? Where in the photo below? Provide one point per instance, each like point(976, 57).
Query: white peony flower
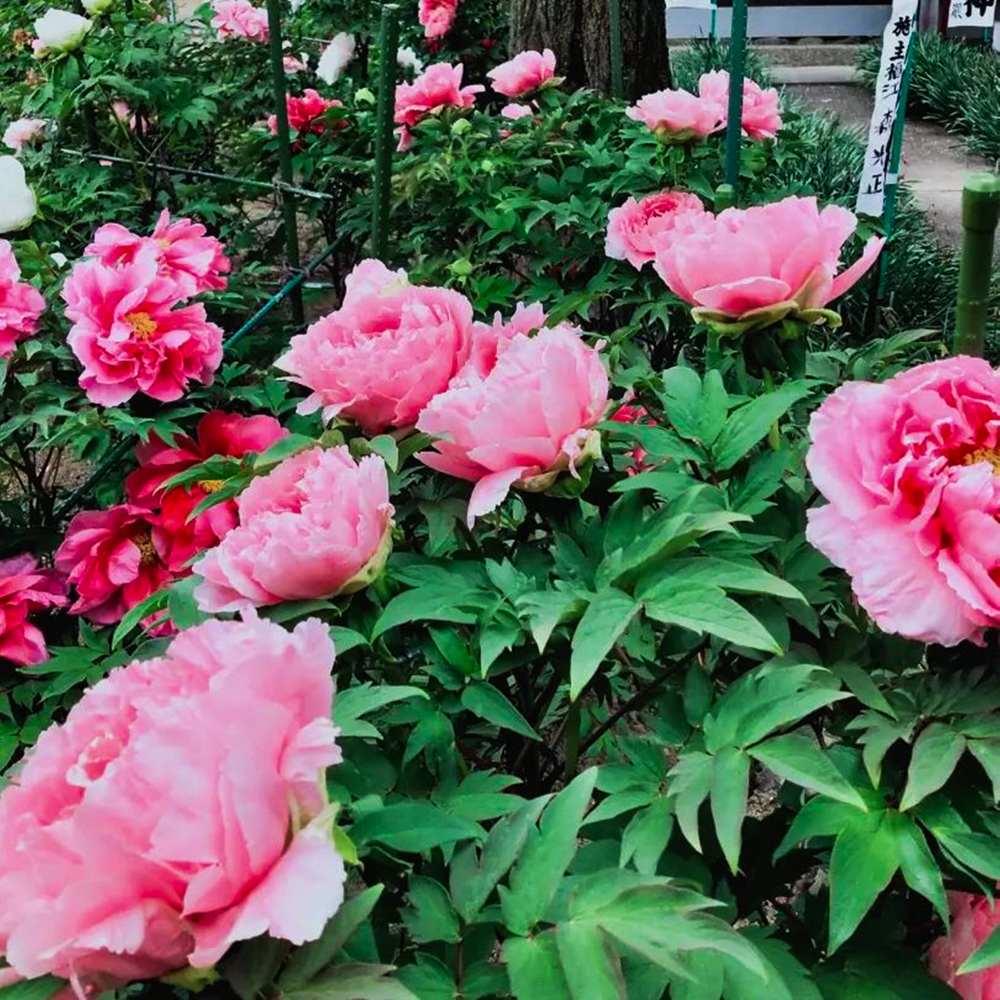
point(408, 59)
point(17, 200)
point(335, 58)
point(96, 6)
point(59, 31)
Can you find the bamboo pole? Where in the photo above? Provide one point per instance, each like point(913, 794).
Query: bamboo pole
point(980, 215)
point(388, 41)
point(284, 150)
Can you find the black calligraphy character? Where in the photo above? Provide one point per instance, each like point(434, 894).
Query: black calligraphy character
point(981, 5)
point(893, 72)
point(899, 52)
point(903, 25)
point(875, 185)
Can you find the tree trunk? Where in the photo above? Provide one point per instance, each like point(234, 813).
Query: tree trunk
point(577, 31)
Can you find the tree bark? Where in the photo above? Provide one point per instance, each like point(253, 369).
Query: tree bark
point(577, 31)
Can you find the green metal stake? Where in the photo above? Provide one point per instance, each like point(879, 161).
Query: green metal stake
point(615, 30)
point(980, 215)
point(284, 150)
point(388, 41)
point(737, 59)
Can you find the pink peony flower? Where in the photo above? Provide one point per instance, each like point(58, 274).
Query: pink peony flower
point(524, 422)
point(194, 261)
point(24, 589)
point(130, 339)
point(437, 17)
point(114, 558)
point(488, 340)
point(748, 268)
point(317, 525)
point(305, 114)
point(20, 303)
point(196, 781)
point(972, 921)
point(676, 115)
point(760, 119)
point(218, 434)
point(292, 65)
point(380, 357)
point(239, 19)
point(437, 88)
point(515, 111)
point(523, 74)
point(910, 465)
point(23, 132)
point(633, 226)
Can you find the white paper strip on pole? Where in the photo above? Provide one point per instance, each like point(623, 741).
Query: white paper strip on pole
point(895, 45)
point(972, 13)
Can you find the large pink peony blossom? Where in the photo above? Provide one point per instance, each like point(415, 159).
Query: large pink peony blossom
point(115, 559)
point(676, 115)
point(748, 268)
point(910, 466)
point(490, 339)
point(633, 226)
point(761, 116)
point(305, 114)
point(239, 19)
point(523, 74)
point(319, 524)
point(437, 88)
point(129, 337)
point(20, 303)
point(218, 434)
point(178, 809)
point(973, 919)
point(194, 261)
point(25, 588)
point(381, 356)
point(528, 419)
point(437, 16)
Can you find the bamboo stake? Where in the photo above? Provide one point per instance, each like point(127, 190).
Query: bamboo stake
point(980, 214)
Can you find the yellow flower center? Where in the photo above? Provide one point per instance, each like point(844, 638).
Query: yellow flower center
point(989, 455)
point(164, 244)
point(143, 325)
point(212, 485)
point(143, 541)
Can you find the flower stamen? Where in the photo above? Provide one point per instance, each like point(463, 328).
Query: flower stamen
point(143, 325)
point(989, 455)
point(143, 541)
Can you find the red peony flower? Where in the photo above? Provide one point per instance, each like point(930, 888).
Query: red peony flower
point(217, 434)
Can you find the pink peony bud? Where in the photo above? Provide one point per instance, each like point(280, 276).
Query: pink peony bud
point(437, 17)
point(523, 74)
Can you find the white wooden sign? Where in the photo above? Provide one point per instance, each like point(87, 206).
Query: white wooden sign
point(972, 13)
point(895, 46)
